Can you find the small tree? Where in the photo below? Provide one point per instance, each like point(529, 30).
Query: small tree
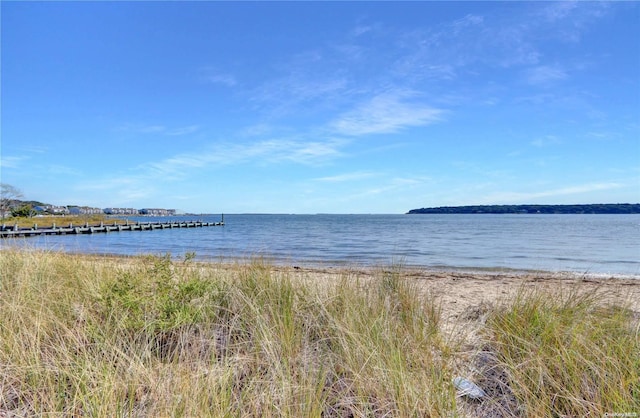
point(24, 211)
point(8, 196)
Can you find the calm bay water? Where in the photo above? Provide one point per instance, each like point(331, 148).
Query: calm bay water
point(600, 244)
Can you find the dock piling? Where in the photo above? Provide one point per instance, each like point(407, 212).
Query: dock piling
point(16, 231)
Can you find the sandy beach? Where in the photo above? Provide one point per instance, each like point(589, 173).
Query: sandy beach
point(461, 292)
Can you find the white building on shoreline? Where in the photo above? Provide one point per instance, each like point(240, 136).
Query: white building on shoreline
point(84, 210)
point(157, 212)
point(121, 211)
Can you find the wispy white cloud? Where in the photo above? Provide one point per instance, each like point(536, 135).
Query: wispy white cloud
point(392, 185)
point(409, 60)
point(545, 74)
point(504, 38)
point(467, 21)
point(346, 177)
point(469, 42)
point(269, 151)
point(570, 18)
point(35, 149)
point(602, 136)
point(63, 170)
point(107, 183)
point(296, 91)
point(537, 99)
point(141, 182)
point(361, 29)
point(24, 154)
point(559, 10)
point(315, 152)
point(158, 129)
point(545, 141)
point(564, 191)
point(12, 161)
point(186, 130)
point(385, 113)
point(117, 190)
point(214, 76)
point(306, 80)
point(150, 129)
point(225, 79)
point(257, 130)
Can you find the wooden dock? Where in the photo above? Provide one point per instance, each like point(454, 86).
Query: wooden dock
point(15, 231)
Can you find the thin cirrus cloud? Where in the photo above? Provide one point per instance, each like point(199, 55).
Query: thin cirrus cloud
point(396, 184)
point(571, 190)
point(108, 183)
point(63, 170)
point(120, 189)
point(158, 129)
point(346, 177)
point(140, 182)
point(580, 13)
point(186, 130)
point(212, 75)
point(302, 77)
point(262, 152)
point(545, 141)
point(385, 113)
point(224, 79)
point(13, 161)
point(285, 95)
point(472, 42)
point(26, 153)
point(545, 74)
point(496, 40)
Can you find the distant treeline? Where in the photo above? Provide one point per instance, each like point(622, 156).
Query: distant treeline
point(603, 208)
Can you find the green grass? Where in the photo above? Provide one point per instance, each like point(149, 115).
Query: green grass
point(152, 336)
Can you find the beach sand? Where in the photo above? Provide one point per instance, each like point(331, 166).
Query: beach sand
point(468, 298)
point(460, 293)
point(463, 295)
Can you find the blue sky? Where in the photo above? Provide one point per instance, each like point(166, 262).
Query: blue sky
point(336, 107)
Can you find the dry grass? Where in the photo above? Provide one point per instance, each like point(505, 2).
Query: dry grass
point(151, 336)
point(565, 354)
point(49, 220)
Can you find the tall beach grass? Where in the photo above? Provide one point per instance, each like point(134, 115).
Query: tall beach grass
point(566, 354)
point(152, 336)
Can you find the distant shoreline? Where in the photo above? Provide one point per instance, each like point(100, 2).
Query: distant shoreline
point(595, 209)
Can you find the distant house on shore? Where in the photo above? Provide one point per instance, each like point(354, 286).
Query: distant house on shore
point(121, 211)
point(157, 212)
point(43, 209)
point(51, 209)
point(84, 210)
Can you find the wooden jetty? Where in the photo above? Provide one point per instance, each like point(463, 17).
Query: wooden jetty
point(15, 231)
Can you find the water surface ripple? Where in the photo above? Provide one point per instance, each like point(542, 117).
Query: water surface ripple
point(600, 244)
